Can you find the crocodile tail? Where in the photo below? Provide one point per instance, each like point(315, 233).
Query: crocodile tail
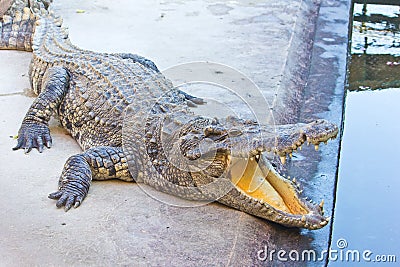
point(16, 32)
point(17, 22)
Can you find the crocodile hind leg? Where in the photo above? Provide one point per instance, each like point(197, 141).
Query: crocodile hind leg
point(99, 163)
point(34, 131)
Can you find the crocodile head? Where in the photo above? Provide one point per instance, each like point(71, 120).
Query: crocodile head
point(234, 150)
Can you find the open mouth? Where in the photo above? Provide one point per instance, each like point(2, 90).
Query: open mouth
point(256, 178)
point(278, 198)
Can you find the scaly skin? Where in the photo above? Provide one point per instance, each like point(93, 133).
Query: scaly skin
point(134, 125)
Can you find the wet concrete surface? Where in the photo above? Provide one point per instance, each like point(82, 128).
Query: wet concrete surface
point(269, 41)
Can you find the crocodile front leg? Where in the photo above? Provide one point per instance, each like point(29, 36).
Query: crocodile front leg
point(34, 131)
point(99, 163)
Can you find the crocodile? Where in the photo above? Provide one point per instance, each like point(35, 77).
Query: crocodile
point(134, 125)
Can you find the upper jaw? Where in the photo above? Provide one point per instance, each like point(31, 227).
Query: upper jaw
point(282, 140)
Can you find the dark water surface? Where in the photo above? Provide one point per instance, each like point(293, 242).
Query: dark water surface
point(367, 212)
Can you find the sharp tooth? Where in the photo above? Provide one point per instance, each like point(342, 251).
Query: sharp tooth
point(283, 159)
point(290, 155)
point(257, 156)
point(300, 148)
point(321, 205)
point(316, 147)
point(294, 180)
point(303, 218)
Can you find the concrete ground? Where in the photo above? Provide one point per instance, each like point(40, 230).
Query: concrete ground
point(118, 224)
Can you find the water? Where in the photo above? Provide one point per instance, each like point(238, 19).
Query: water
point(367, 210)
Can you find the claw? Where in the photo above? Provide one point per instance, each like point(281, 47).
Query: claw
point(55, 195)
point(191, 104)
point(69, 203)
point(39, 143)
point(198, 100)
point(48, 143)
point(61, 201)
point(78, 201)
point(19, 144)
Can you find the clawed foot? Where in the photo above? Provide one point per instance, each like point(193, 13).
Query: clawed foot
point(74, 183)
point(70, 194)
point(33, 135)
point(67, 199)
